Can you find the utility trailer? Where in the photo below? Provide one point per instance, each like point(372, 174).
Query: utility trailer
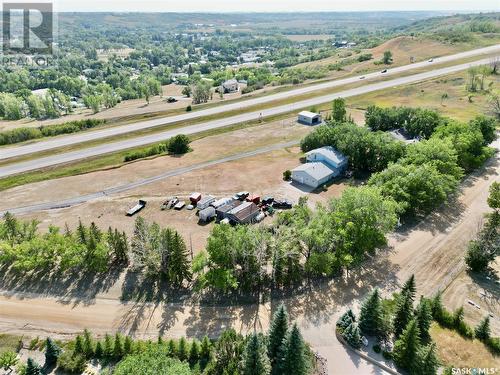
point(138, 207)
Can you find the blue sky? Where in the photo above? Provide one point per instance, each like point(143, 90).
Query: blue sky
point(273, 5)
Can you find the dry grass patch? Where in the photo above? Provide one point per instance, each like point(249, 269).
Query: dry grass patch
point(454, 350)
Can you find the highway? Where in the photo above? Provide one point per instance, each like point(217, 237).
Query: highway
point(67, 157)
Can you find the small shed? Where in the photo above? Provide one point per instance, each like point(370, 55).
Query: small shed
point(309, 118)
point(205, 202)
point(207, 214)
point(195, 198)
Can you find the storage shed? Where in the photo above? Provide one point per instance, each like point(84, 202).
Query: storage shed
point(309, 118)
point(195, 198)
point(205, 202)
point(207, 214)
point(245, 213)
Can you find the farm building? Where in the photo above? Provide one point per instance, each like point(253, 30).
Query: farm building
point(245, 213)
point(222, 211)
point(230, 86)
point(322, 165)
point(207, 214)
point(205, 202)
point(328, 155)
point(309, 118)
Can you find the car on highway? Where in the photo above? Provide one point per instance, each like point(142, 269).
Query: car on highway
point(384, 71)
point(431, 60)
point(362, 77)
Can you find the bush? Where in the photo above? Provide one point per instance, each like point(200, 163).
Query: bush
point(189, 108)
point(74, 364)
point(176, 145)
point(387, 355)
point(287, 175)
point(377, 348)
point(493, 343)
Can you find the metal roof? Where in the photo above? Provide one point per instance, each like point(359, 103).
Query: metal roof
point(329, 154)
point(308, 114)
point(316, 170)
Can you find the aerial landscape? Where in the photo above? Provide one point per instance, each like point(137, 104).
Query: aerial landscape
point(274, 188)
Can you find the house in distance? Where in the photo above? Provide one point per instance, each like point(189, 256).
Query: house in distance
point(323, 164)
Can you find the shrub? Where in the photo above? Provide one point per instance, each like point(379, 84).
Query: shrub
point(494, 344)
point(189, 108)
point(387, 355)
point(377, 348)
point(287, 175)
point(74, 364)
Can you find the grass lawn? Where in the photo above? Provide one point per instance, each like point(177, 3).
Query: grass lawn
point(429, 94)
point(454, 350)
point(8, 342)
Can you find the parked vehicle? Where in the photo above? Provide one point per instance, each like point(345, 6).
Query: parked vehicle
point(267, 200)
point(384, 71)
point(241, 196)
point(431, 60)
point(170, 203)
point(282, 204)
point(171, 100)
point(362, 77)
point(180, 205)
point(138, 207)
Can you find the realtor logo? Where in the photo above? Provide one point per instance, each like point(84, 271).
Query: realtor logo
point(28, 28)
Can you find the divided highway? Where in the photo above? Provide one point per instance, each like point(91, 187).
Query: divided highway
point(15, 151)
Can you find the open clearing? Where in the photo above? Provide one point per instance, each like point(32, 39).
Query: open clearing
point(454, 350)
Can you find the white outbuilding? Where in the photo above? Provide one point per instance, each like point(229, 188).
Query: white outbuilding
point(309, 118)
point(312, 174)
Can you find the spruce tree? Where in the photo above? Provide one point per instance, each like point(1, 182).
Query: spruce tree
point(370, 318)
point(403, 313)
point(127, 345)
point(277, 334)
point(406, 348)
point(424, 319)
point(108, 346)
point(33, 368)
point(81, 233)
point(293, 359)
point(179, 268)
point(194, 353)
point(78, 345)
point(52, 352)
point(171, 348)
point(437, 307)
point(88, 344)
point(205, 350)
point(428, 362)
point(410, 287)
point(352, 335)
point(98, 350)
point(160, 340)
point(483, 329)
point(255, 360)
point(182, 352)
point(118, 347)
point(346, 319)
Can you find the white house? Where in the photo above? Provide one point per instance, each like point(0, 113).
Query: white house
point(230, 85)
point(328, 155)
point(309, 118)
point(322, 165)
point(312, 174)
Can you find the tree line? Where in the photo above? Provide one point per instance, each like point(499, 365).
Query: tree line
point(398, 320)
point(280, 351)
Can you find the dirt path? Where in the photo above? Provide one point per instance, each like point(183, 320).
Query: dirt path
point(433, 250)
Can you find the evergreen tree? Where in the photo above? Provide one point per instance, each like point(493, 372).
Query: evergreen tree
point(172, 348)
point(127, 345)
point(277, 333)
point(424, 319)
point(118, 347)
point(88, 344)
point(52, 352)
point(352, 334)
point(182, 352)
point(483, 329)
point(293, 359)
point(98, 350)
point(78, 345)
point(370, 318)
point(160, 340)
point(410, 287)
point(108, 346)
point(428, 361)
point(255, 359)
point(346, 319)
point(406, 348)
point(33, 368)
point(194, 353)
point(179, 266)
point(81, 233)
point(205, 351)
point(403, 313)
point(437, 307)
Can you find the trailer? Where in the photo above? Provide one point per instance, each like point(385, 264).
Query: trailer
point(205, 202)
point(195, 198)
point(138, 207)
point(180, 205)
point(207, 214)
